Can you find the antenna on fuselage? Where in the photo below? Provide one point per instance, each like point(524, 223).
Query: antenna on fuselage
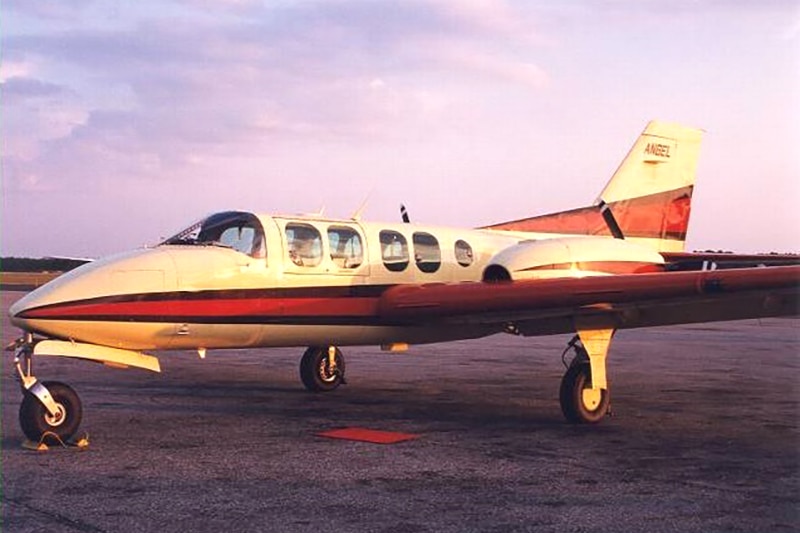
point(404, 214)
point(319, 213)
point(356, 216)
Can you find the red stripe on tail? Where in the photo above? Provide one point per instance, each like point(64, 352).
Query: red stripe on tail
point(663, 215)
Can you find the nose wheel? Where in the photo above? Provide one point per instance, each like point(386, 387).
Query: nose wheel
point(40, 424)
point(50, 411)
point(322, 368)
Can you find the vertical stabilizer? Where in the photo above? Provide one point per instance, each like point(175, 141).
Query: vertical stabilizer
point(648, 199)
point(663, 159)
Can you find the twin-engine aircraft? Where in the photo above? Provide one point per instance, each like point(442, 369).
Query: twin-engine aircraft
point(244, 280)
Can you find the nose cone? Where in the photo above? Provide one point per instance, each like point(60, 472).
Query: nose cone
point(56, 308)
point(16, 308)
point(20, 311)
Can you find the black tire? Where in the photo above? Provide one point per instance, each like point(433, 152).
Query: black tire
point(36, 421)
point(316, 372)
point(577, 379)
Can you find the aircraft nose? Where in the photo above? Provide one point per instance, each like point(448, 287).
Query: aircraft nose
point(15, 310)
point(57, 308)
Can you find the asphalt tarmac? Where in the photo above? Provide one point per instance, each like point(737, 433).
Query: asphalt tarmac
point(704, 437)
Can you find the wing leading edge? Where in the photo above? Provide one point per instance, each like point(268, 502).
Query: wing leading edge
point(542, 307)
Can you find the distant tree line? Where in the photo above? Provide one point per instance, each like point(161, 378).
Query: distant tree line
point(46, 264)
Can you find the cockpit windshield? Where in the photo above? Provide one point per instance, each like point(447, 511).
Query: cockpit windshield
point(237, 230)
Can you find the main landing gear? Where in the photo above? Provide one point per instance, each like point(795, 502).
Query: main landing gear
point(322, 368)
point(50, 411)
point(584, 394)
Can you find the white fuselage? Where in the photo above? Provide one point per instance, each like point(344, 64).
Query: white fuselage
point(279, 281)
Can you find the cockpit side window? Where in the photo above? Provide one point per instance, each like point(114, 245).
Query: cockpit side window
point(239, 238)
point(304, 244)
point(394, 250)
point(346, 249)
point(232, 229)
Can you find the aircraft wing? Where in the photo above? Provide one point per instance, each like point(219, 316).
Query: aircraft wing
point(548, 306)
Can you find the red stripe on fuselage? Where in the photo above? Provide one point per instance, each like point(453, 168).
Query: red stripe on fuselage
point(207, 308)
point(610, 267)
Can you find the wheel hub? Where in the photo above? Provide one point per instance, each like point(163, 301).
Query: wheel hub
point(327, 373)
point(58, 418)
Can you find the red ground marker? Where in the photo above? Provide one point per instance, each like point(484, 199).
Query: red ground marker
point(368, 435)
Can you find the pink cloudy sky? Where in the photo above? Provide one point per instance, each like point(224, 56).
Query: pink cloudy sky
point(123, 121)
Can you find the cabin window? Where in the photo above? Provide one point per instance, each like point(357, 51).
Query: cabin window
point(345, 245)
point(426, 252)
point(464, 256)
point(231, 229)
point(304, 244)
point(394, 250)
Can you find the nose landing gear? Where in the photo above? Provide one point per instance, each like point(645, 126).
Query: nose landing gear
point(50, 410)
point(37, 422)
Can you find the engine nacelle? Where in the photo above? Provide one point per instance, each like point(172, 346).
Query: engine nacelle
point(572, 257)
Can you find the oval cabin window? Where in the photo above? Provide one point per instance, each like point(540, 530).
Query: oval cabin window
point(394, 250)
point(464, 256)
point(427, 254)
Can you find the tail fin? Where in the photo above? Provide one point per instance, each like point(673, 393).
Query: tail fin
point(647, 199)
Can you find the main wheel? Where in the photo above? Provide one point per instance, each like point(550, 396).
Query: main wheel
point(318, 372)
point(579, 402)
point(36, 421)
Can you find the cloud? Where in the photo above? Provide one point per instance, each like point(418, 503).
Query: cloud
point(34, 112)
point(14, 69)
point(243, 84)
point(184, 105)
point(493, 18)
point(60, 10)
point(22, 88)
point(473, 62)
point(195, 95)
